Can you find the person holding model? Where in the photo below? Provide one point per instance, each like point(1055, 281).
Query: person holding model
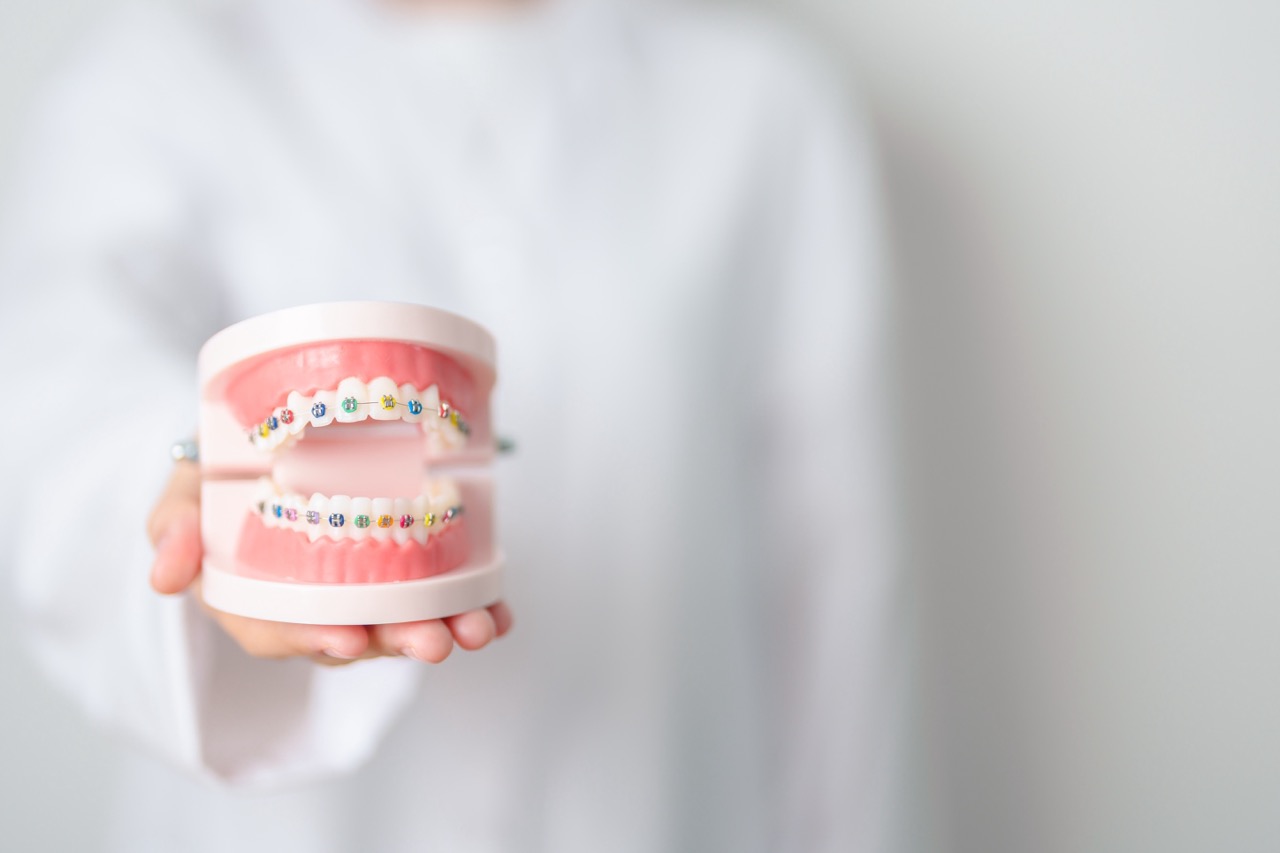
point(666, 215)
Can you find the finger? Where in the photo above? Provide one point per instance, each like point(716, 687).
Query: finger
point(181, 494)
point(472, 630)
point(178, 551)
point(263, 639)
point(429, 641)
point(174, 529)
point(502, 617)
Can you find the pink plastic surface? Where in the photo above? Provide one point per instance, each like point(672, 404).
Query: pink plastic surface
point(252, 388)
point(284, 555)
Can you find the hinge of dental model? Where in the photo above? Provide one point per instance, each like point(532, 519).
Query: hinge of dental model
point(350, 405)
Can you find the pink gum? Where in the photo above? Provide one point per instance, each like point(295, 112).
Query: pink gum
point(253, 388)
point(273, 553)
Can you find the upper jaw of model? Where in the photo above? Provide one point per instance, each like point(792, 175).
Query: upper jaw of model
point(276, 396)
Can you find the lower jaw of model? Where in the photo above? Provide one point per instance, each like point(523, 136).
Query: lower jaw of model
point(344, 539)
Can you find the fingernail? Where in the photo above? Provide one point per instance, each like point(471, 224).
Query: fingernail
point(334, 653)
point(411, 653)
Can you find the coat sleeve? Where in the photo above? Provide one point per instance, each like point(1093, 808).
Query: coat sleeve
point(106, 299)
point(841, 671)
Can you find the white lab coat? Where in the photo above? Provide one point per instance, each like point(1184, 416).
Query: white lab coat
point(665, 216)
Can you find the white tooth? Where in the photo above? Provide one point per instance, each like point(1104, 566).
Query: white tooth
point(440, 509)
point(432, 490)
point(402, 507)
point(431, 408)
point(454, 497)
point(442, 496)
point(260, 441)
point(321, 411)
point(386, 399)
point(274, 501)
point(445, 438)
point(382, 509)
point(361, 507)
point(419, 529)
point(277, 436)
point(352, 389)
point(263, 494)
point(300, 405)
point(293, 513)
point(451, 435)
point(339, 506)
point(269, 440)
point(275, 512)
point(411, 399)
point(320, 506)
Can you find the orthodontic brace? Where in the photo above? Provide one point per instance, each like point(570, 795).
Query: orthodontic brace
point(362, 521)
point(350, 405)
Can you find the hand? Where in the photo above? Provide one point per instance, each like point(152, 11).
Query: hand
point(174, 529)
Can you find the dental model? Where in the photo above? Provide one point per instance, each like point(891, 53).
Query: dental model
point(344, 453)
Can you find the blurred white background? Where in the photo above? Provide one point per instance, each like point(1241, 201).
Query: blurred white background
point(1085, 205)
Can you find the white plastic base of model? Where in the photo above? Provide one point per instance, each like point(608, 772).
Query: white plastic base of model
point(354, 604)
